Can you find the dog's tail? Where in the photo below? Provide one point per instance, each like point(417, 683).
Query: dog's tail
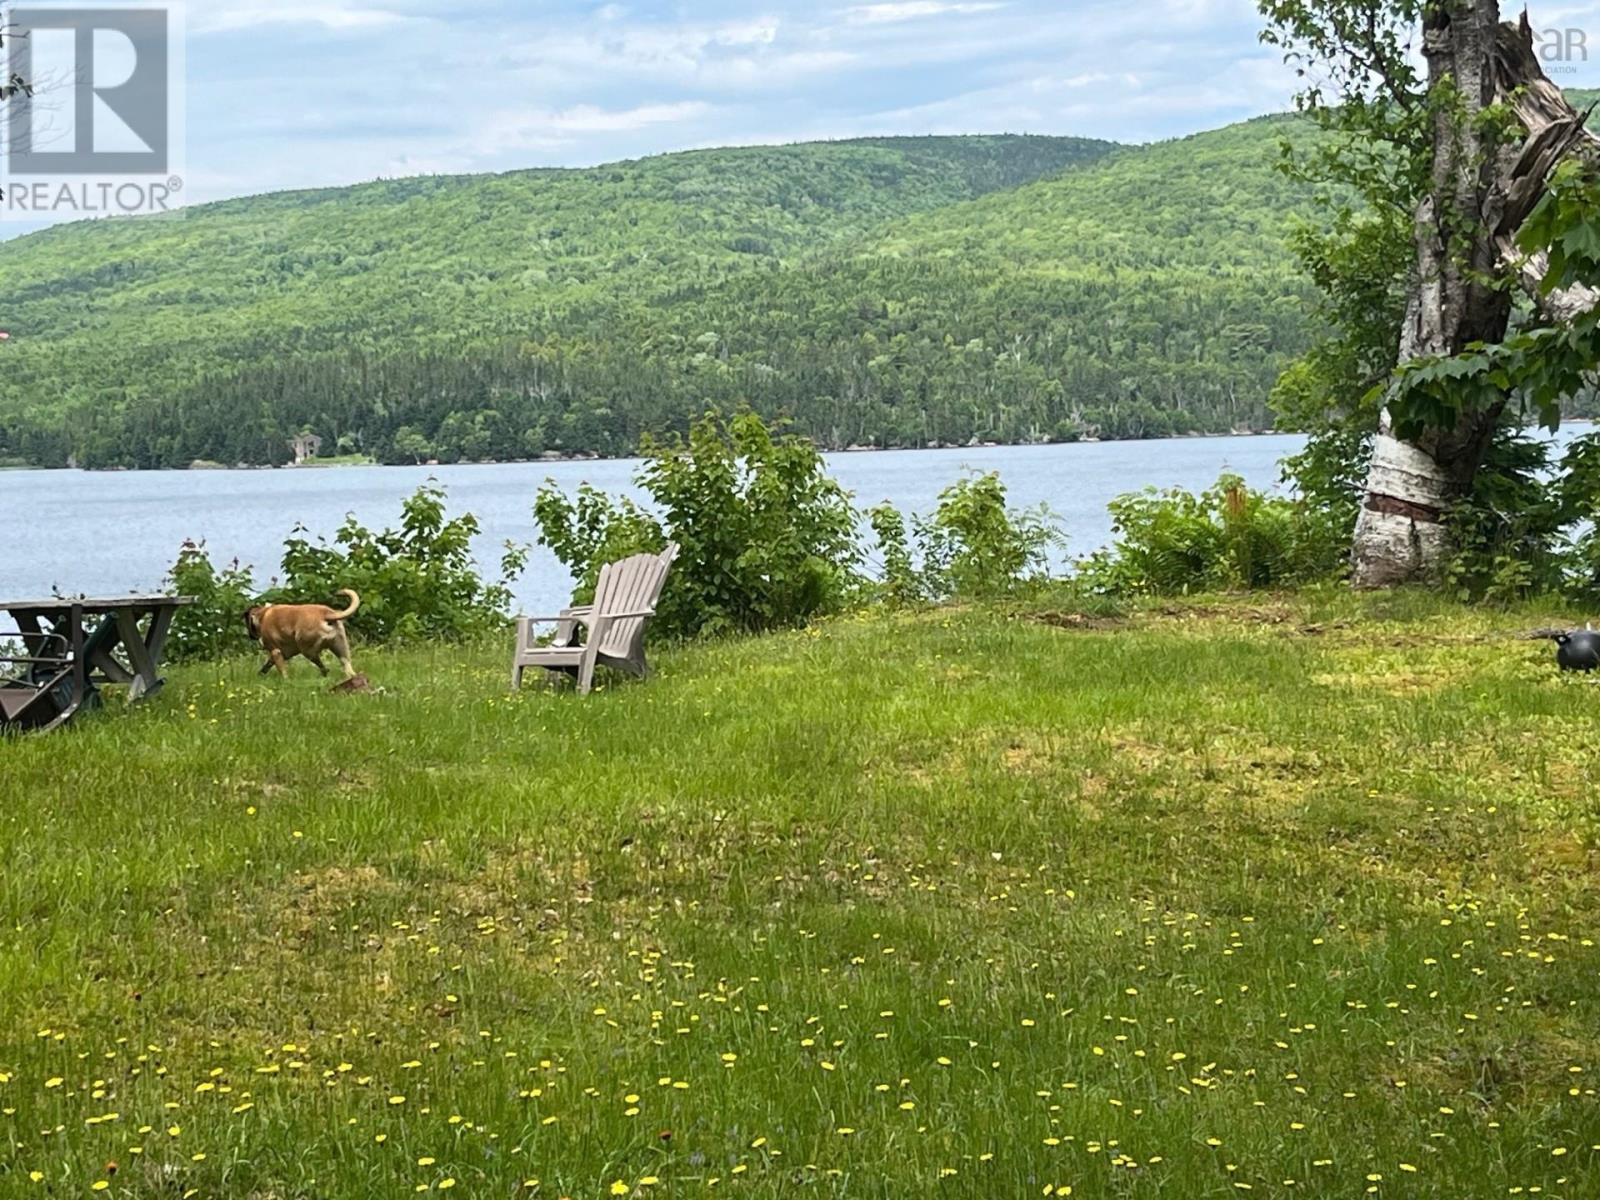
point(355, 603)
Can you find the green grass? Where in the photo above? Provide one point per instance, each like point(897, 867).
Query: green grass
point(953, 904)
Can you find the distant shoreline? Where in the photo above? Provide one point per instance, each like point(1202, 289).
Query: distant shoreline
point(553, 459)
point(205, 465)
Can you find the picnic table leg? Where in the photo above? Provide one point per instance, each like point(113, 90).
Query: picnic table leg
point(144, 681)
point(100, 658)
point(160, 626)
point(80, 670)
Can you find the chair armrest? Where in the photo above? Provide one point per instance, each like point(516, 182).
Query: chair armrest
point(587, 616)
point(582, 615)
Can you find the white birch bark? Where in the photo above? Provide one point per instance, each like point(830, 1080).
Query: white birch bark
point(1401, 534)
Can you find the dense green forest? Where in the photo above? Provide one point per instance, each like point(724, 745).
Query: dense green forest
point(897, 291)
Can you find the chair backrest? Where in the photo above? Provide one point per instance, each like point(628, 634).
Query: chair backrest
point(36, 685)
point(43, 654)
point(630, 585)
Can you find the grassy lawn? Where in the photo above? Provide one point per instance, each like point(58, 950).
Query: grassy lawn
point(1295, 898)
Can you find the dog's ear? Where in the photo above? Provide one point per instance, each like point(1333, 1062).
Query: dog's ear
point(252, 621)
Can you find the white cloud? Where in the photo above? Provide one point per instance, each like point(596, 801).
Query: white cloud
point(914, 10)
point(759, 54)
point(535, 129)
point(586, 118)
point(228, 16)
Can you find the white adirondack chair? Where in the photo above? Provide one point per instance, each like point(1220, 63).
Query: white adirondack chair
point(567, 626)
point(625, 599)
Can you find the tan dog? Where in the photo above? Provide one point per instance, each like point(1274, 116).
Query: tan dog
point(285, 630)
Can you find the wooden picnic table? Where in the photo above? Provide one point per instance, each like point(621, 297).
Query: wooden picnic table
point(103, 636)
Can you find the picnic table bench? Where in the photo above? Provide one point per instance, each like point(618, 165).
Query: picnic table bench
point(74, 644)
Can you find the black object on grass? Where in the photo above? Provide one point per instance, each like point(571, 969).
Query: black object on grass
point(1579, 650)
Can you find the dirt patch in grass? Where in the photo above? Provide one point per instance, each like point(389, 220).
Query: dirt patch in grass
point(1081, 622)
point(1317, 630)
point(336, 889)
point(1269, 612)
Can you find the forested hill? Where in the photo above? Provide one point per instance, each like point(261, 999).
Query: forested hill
point(894, 291)
point(1147, 295)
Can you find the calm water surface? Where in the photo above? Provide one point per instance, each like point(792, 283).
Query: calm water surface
point(103, 533)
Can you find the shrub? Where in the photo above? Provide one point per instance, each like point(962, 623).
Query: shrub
point(973, 547)
point(1506, 538)
point(976, 548)
point(902, 584)
point(213, 626)
point(1225, 537)
point(417, 581)
point(586, 533)
point(766, 539)
point(1578, 495)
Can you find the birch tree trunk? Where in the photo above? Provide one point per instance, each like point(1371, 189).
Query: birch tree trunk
point(1478, 197)
point(1400, 534)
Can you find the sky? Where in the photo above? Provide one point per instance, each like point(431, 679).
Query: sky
point(296, 93)
point(398, 87)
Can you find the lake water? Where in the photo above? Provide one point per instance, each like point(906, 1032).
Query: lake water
point(103, 533)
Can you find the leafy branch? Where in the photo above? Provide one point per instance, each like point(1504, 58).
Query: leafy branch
point(1540, 366)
